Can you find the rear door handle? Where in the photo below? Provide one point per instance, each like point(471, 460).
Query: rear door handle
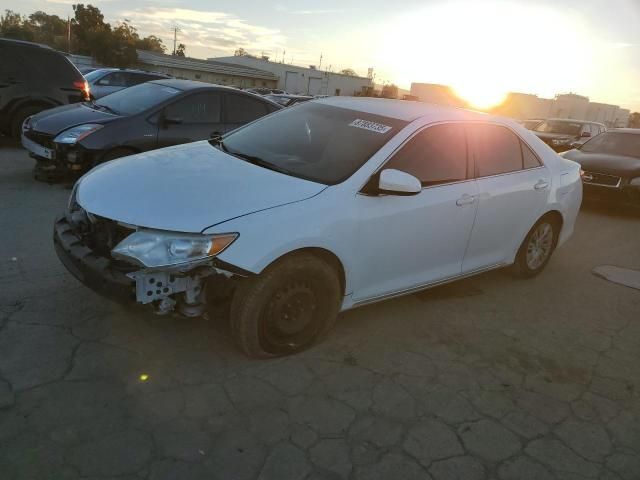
point(541, 184)
point(465, 199)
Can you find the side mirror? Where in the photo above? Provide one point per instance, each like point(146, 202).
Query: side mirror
point(396, 182)
point(586, 134)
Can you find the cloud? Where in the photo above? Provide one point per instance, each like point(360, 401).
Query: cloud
point(217, 31)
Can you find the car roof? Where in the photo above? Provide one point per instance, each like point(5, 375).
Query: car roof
point(401, 109)
point(287, 95)
point(131, 70)
point(572, 120)
point(25, 43)
point(186, 85)
point(633, 131)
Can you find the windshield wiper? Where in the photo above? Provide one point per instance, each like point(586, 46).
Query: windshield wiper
point(104, 107)
point(254, 160)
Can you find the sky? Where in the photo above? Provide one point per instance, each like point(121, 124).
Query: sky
point(483, 48)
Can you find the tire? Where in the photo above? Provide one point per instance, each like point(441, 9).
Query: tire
point(537, 247)
point(20, 116)
point(287, 308)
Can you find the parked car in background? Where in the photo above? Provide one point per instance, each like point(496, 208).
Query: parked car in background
point(611, 165)
point(287, 100)
point(151, 115)
point(105, 81)
point(34, 78)
point(317, 209)
point(264, 90)
point(563, 134)
point(531, 123)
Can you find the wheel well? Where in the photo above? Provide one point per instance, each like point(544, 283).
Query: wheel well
point(328, 257)
point(556, 217)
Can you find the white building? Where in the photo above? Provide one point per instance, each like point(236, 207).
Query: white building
point(622, 118)
point(304, 80)
point(602, 113)
point(437, 94)
point(570, 105)
point(524, 106)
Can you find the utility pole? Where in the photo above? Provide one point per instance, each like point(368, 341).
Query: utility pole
point(320, 64)
point(175, 38)
point(68, 34)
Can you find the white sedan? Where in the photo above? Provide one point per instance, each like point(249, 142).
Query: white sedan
point(317, 209)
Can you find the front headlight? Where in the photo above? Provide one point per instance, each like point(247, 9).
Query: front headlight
point(153, 248)
point(75, 134)
point(635, 182)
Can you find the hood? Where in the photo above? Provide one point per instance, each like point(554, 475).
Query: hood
point(619, 165)
point(58, 119)
point(186, 188)
point(550, 136)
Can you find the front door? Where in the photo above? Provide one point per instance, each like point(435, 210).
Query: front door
point(409, 241)
point(513, 189)
point(191, 118)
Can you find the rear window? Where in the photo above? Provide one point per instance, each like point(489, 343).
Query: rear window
point(53, 66)
point(614, 143)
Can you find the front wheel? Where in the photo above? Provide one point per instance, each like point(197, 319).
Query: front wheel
point(287, 308)
point(537, 247)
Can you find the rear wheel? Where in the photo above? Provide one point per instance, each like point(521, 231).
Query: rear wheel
point(287, 308)
point(537, 247)
point(20, 116)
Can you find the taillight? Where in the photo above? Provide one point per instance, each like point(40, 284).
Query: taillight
point(83, 86)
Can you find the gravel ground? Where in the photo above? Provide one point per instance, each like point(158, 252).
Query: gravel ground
point(488, 378)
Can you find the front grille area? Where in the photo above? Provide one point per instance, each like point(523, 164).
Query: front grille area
point(100, 234)
point(602, 179)
point(44, 139)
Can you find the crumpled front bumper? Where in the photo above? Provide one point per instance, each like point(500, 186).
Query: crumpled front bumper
point(94, 271)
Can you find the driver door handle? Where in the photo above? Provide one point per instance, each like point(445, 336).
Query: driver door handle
point(541, 184)
point(465, 199)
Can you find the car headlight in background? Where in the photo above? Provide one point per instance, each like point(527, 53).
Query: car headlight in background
point(635, 182)
point(153, 248)
point(74, 134)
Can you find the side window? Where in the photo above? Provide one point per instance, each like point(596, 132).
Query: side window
point(497, 150)
point(529, 160)
point(115, 79)
point(196, 108)
point(435, 156)
point(138, 78)
point(243, 108)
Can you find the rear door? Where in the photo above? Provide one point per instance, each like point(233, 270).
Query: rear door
point(240, 109)
point(513, 189)
point(196, 116)
point(12, 75)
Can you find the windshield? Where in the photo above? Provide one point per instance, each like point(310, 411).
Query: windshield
point(137, 99)
point(559, 126)
point(91, 76)
point(614, 143)
point(317, 142)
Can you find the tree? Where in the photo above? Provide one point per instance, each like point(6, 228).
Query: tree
point(151, 43)
point(14, 25)
point(348, 71)
point(240, 52)
point(634, 120)
point(92, 33)
point(389, 91)
point(180, 50)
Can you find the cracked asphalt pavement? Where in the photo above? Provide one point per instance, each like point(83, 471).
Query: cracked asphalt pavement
point(488, 378)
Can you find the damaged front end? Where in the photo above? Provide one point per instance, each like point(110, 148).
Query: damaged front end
point(166, 270)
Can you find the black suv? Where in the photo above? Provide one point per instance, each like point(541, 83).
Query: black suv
point(34, 78)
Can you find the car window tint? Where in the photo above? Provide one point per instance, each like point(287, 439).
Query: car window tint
point(10, 66)
point(196, 108)
point(529, 159)
point(497, 150)
point(52, 66)
point(138, 78)
point(243, 108)
point(435, 156)
point(115, 79)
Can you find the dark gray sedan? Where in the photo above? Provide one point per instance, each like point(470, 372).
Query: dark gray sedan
point(151, 115)
point(611, 165)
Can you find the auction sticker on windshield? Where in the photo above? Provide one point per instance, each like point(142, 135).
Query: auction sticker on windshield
point(367, 125)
